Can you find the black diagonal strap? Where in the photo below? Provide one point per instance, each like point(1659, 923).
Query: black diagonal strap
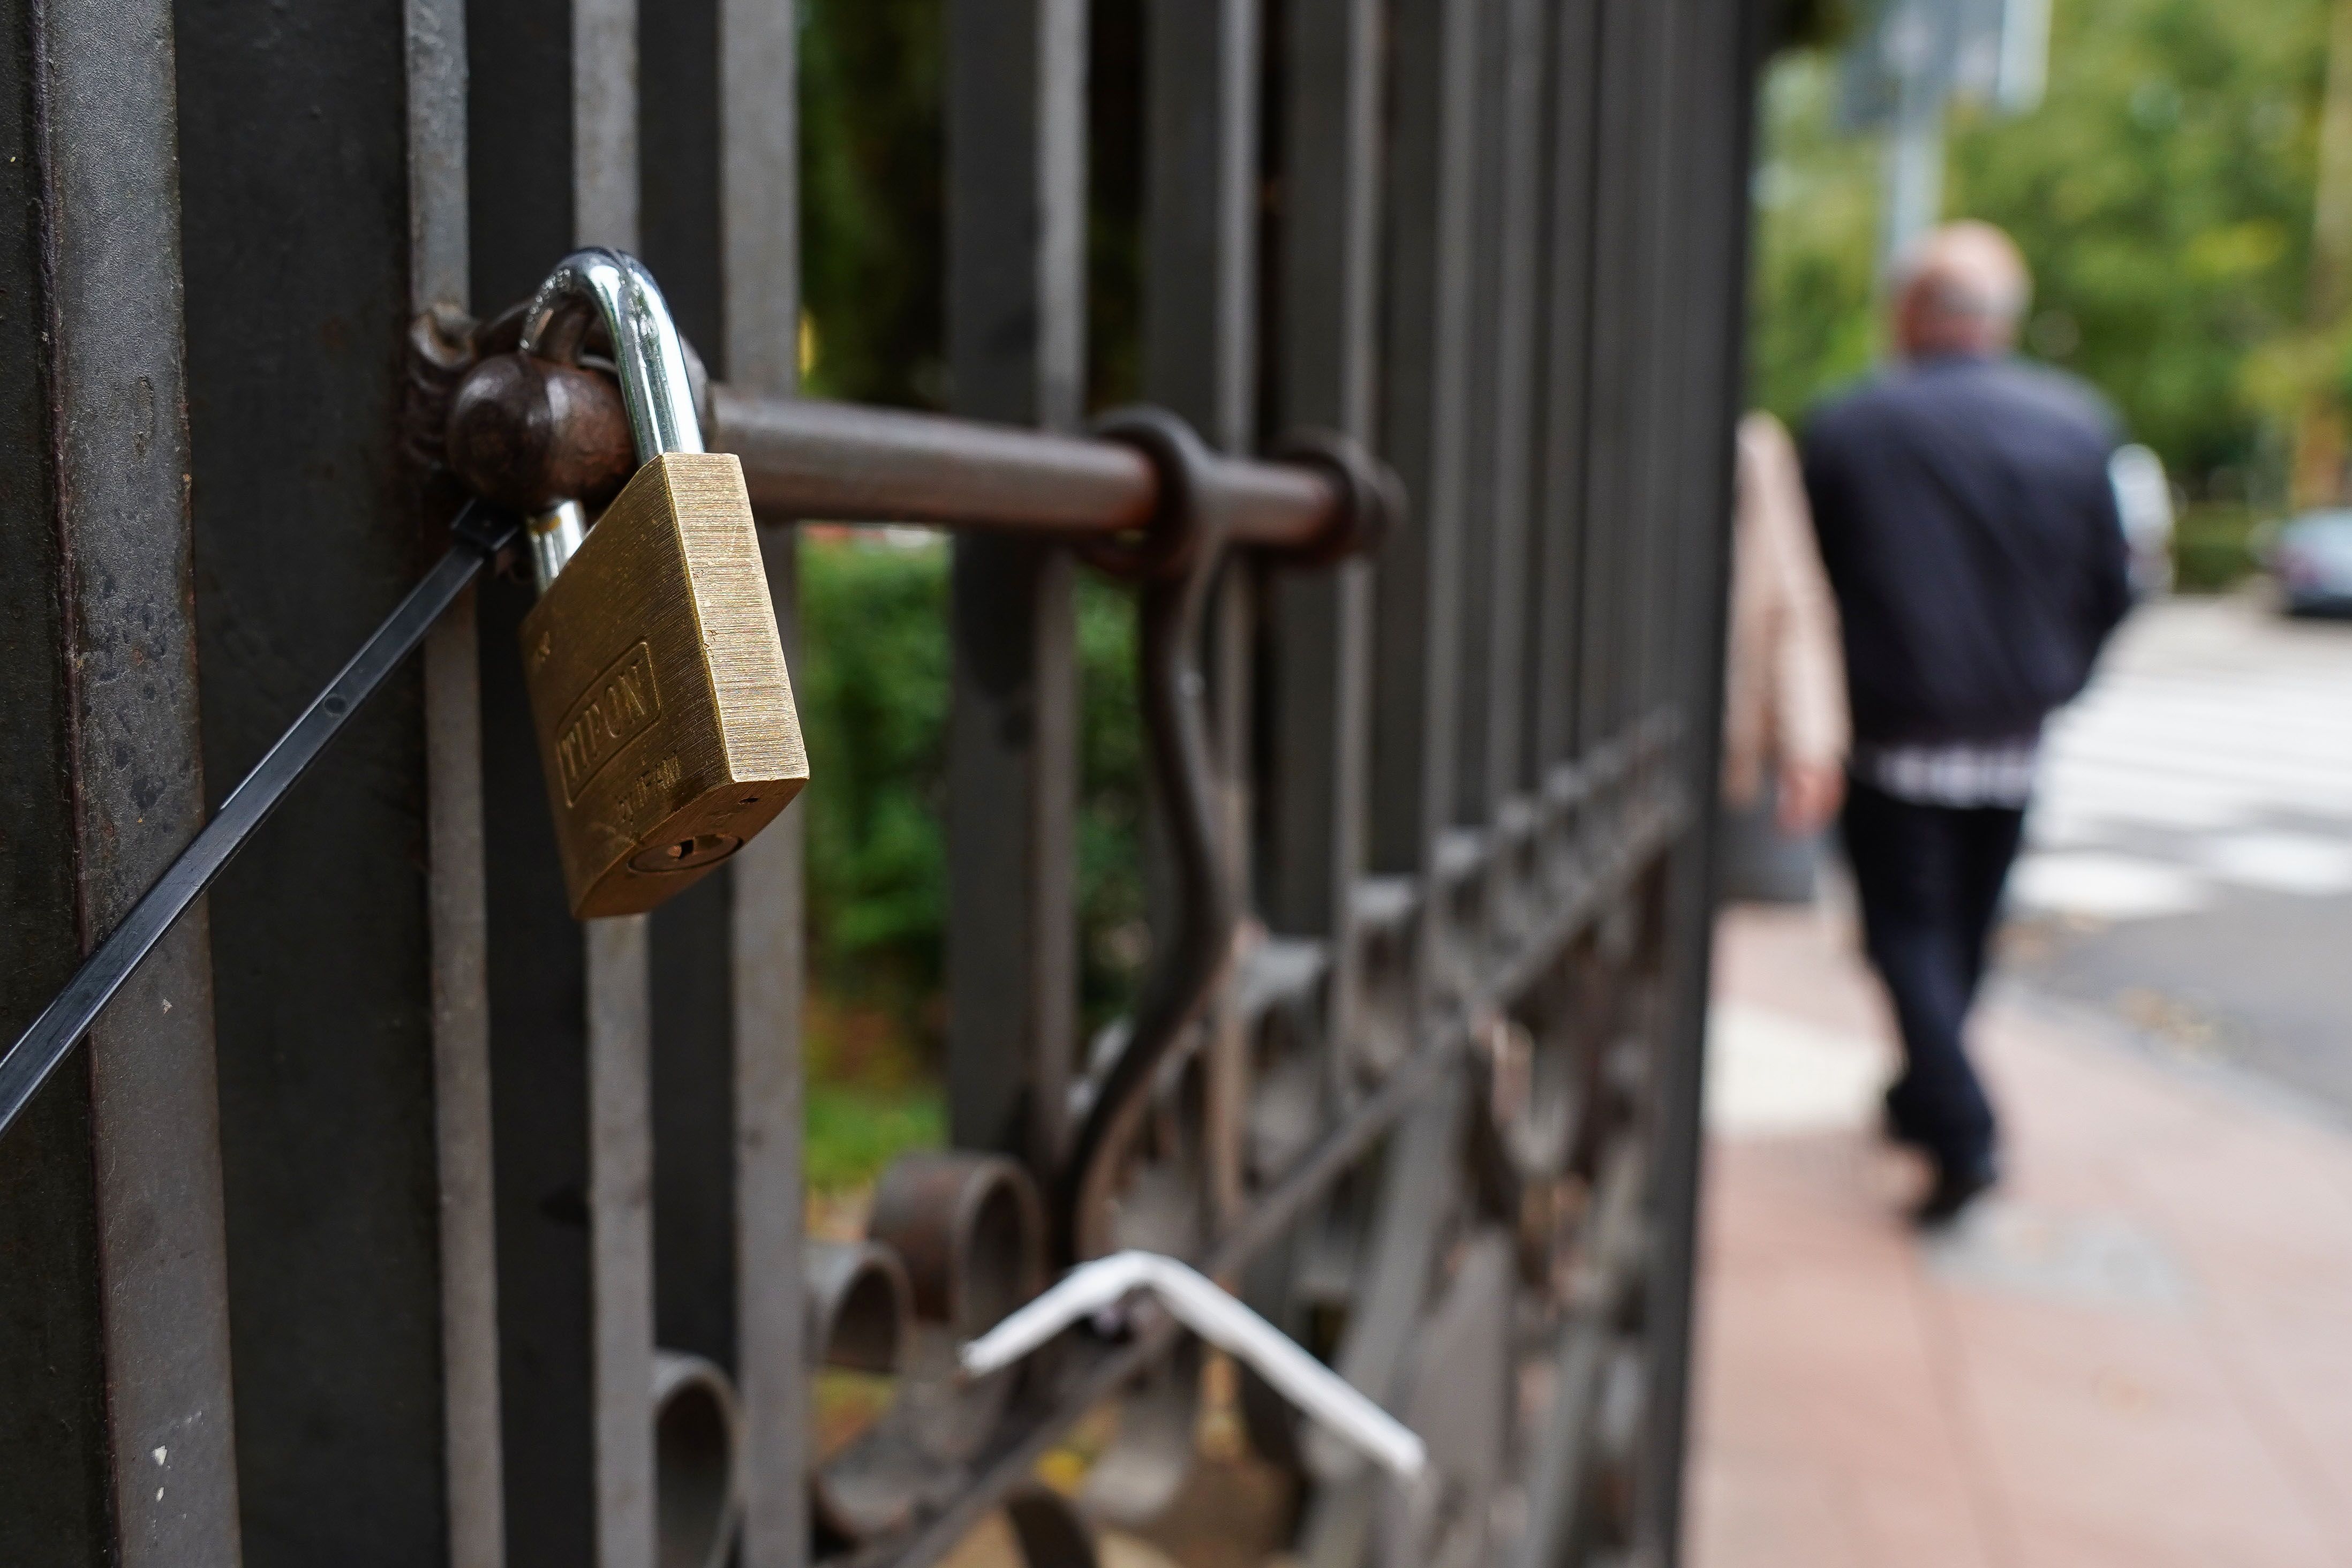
point(478, 533)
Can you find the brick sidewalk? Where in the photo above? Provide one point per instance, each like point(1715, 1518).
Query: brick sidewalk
point(2140, 1354)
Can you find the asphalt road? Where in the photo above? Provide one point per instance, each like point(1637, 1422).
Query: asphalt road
point(2190, 860)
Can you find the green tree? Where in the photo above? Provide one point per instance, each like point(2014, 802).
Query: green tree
point(874, 215)
point(873, 211)
point(1810, 322)
point(2162, 194)
point(873, 687)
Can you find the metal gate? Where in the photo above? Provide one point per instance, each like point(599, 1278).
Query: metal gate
point(392, 1216)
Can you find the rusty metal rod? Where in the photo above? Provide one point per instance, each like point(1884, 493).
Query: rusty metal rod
point(525, 433)
point(841, 462)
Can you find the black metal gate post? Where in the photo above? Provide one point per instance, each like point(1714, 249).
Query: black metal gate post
point(1720, 69)
point(1016, 335)
point(526, 62)
point(758, 272)
point(119, 1441)
point(307, 532)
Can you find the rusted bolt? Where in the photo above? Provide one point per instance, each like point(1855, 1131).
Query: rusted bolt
point(526, 433)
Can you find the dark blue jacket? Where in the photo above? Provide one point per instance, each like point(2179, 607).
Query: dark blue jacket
point(1970, 530)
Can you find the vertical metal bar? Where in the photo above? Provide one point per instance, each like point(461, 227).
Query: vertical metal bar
point(1664, 316)
point(1475, 626)
point(620, 1221)
point(1334, 105)
point(1631, 368)
point(107, 153)
point(1666, 309)
point(439, 257)
point(1726, 37)
point(605, 121)
point(53, 1446)
point(1623, 174)
point(1436, 67)
point(720, 228)
point(472, 1463)
point(691, 939)
point(759, 273)
point(620, 1084)
point(1647, 201)
point(1517, 235)
point(1637, 369)
point(681, 200)
point(1430, 248)
point(1614, 366)
point(1232, 638)
point(1560, 509)
point(1200, 361)
point(1319, 650)
point(55, 1460)
point(522, 216)
point(1200, 286)
point(440, 242)
point(1016, 309)
point(1319, 655)
point(321, 952)
point(540, 1113)
point(770, 1372)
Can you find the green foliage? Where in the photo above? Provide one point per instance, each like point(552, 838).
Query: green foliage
point(874, 213)
point(1810, 322)
point(873, 198)
point(873, 685)
point(855, 1131)
point(1812, 24)
point(2213, 546)
point(2162, 195)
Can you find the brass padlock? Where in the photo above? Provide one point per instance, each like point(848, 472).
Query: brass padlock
point(657, 683)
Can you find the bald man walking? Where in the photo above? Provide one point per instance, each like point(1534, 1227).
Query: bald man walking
point(1970, 534)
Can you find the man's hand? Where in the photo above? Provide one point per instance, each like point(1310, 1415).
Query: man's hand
point(1810, 793)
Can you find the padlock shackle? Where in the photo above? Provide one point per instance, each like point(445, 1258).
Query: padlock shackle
point(647, 352)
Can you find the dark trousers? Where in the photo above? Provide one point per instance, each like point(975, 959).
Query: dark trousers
point(1929, 879)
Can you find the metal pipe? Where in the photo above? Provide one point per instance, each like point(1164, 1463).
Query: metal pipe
point(842, 462)
point(697, 1471)
point(527, 434)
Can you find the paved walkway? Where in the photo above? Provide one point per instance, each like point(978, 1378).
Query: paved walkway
point(2140, 1354)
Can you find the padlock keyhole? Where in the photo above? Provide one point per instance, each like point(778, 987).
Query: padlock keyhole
point(687, 854)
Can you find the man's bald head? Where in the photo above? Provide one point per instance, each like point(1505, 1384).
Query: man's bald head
point(1961, 290)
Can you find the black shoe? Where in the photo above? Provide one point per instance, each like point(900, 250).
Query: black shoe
point(1901, 1133)
point(1956, 1187)
point(1900, 1130)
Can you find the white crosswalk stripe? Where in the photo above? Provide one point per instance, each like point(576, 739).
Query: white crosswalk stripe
point(2214, 752)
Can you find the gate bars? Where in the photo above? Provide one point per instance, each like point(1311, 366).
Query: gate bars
point(400, 1302)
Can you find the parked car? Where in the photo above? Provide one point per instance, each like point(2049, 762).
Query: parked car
point(2311, 558)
